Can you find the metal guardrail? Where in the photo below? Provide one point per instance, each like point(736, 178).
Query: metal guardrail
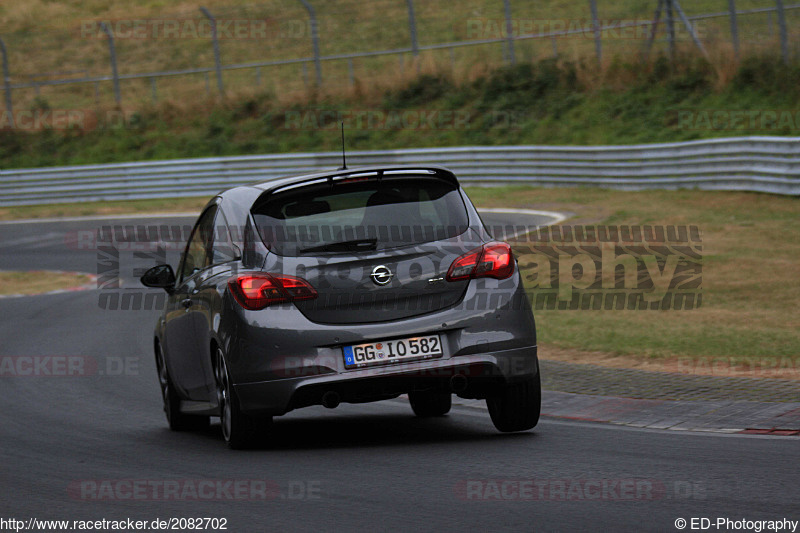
point(760, 164)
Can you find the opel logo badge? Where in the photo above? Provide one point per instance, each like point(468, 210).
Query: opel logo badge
point(381, 275)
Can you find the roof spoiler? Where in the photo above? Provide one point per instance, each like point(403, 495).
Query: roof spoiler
point(367, 172)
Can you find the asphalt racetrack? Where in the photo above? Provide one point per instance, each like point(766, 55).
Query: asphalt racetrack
point(92, 443)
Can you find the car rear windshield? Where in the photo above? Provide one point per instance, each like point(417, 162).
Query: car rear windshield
point(360, 214)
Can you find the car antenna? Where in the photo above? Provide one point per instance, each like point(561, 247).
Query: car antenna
point(344, 159)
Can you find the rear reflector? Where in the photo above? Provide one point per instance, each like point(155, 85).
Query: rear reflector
point(493, 260)
point(259, 290)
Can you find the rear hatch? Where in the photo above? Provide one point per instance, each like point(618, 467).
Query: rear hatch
point(376, 247)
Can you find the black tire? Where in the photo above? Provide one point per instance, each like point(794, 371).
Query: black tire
point(238, 429)
point(430, 403)
point(517, 406)
point(177, 420)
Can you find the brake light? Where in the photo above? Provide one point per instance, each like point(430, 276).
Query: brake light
point(257, 291)
point(493, 260)
point(464, 266)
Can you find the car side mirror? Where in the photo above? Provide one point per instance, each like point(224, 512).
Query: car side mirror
point(159, 277)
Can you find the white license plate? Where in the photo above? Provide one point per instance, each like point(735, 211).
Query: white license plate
point(392, 351)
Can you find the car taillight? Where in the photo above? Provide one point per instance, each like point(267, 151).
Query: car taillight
point(257, 291)
point(493, 260)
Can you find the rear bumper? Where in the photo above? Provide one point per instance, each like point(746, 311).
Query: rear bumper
point(483, 371)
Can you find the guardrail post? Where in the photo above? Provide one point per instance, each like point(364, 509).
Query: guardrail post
point(734, 27)
point(153, 90)
point(113, 53)
point(6, 79)
point(782, 29)
point(509, 33)
point(312, 15)
point(215, 43)
point(596, 25)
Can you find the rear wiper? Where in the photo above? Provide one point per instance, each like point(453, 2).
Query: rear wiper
point(356, 245)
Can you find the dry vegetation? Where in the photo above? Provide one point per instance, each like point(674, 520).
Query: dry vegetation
point(49, 40)
point(36, 282)
point(751, 248)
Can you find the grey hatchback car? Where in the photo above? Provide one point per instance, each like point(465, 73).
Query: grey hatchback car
point(354, 285)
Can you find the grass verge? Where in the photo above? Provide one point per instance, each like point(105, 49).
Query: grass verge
point(123, 207)
point(37, 282)
point(751, 248)
point(547, 102)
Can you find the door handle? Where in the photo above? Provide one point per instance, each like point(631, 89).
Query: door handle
point(187, 303)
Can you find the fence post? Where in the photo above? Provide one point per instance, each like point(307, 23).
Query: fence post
point(782, 29)
point(215, 43)
point(670, 29)
point(113, 53)
point(153, 90)
point(734, 27)
point(6, 79)
point(314, 38)
point(653, 29)
point(509, 32)
point(596, 24)
point(412, 27)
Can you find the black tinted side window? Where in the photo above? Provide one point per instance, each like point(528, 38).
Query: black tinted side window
point(222, 249)
point(198, 250)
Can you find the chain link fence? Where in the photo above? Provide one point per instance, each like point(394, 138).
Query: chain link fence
point(279, 46)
